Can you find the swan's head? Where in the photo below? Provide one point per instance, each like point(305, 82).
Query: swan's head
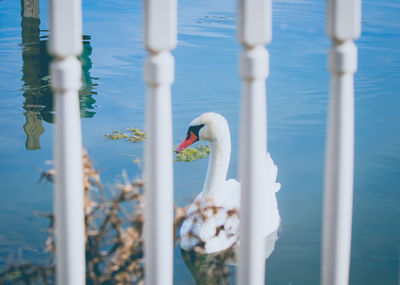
point(209, 127)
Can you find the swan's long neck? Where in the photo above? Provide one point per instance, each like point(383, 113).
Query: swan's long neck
point(218, 164)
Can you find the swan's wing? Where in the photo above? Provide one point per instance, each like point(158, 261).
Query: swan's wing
point(271, 212)
point(229, 198)
point(219, 229)
point(272, 171)
point(216, 231)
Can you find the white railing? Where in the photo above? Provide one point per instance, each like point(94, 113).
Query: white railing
point(255, 25)
point(160, 36)
point(65, 45)
point(343, 25)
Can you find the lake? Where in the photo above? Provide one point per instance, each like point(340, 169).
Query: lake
point(207, 79)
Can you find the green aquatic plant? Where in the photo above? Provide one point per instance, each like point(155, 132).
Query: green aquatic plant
point(117, 135)
point(137, 135)
point(192, 154)
point(134, 135)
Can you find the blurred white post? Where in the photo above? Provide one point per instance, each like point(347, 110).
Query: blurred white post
point(64, 45)
point(160, 32)
point(254, 31)
point(343, 25)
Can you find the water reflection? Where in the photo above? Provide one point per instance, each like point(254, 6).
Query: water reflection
point(208, 269)
point(38, 96)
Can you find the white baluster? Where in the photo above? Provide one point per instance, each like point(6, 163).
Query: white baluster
point(65, 44)
point(160, 37)
point(254, 32)
point(343, 25)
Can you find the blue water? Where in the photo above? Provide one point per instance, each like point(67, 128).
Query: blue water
point(207, 80)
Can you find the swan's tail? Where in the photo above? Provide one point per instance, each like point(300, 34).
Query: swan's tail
point(272, 170)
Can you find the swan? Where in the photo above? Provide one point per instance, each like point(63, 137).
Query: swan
point(217, 227)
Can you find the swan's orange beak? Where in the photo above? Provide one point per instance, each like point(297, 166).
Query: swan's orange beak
point(190, 139)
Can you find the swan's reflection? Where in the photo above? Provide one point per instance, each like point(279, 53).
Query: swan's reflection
point(219, 268)
point(38, 96)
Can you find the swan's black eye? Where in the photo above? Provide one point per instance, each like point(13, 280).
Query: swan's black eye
point(195, 130)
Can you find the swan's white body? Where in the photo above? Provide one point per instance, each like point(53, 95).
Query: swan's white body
point(219, 230)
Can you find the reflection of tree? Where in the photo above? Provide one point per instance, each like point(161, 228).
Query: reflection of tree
point(31, 77)
point(37, 92)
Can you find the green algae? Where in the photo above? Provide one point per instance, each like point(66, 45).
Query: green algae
point(137, 135)
point(134, 135)
point(192, 154)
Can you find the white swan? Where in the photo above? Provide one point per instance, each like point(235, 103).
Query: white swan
point(219, 230)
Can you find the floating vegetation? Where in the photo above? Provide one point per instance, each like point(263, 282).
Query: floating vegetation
point(117, 135)
point(135, 135)
point(192, 154)
point(114, 238)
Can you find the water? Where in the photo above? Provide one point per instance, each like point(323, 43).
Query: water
point(207, 80)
